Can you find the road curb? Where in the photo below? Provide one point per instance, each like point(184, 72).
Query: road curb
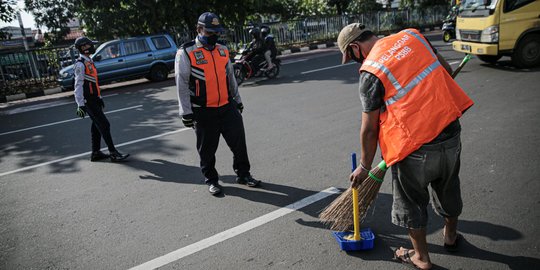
point(39, 93)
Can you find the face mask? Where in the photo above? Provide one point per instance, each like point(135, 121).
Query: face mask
point(90, 50)
point(210, 41)
point(353, 56)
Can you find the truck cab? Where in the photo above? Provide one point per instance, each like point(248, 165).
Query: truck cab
point(492, 29)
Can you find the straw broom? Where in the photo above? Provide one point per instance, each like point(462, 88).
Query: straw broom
point(339, 214)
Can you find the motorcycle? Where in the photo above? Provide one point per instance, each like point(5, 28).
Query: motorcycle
point(254, 67)
point(449, 30)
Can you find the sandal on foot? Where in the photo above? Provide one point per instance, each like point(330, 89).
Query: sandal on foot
point(405, 258)
point(455, 246)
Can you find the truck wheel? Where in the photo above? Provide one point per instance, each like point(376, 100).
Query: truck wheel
point(158, 73)
point(527, 52)
point(491, 59)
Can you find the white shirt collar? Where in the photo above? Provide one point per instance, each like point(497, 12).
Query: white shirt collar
point(86, 58)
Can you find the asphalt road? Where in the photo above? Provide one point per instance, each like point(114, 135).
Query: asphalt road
point(60, 211)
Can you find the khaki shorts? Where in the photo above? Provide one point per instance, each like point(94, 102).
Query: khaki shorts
point(431, 171)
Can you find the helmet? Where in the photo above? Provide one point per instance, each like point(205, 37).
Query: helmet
point(81, 41)
point(265, 30)
point(255, 32)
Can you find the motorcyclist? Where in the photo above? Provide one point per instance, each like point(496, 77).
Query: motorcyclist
point(255, 48)
point(270, 46)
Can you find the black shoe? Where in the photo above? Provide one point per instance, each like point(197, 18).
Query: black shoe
point(96, 156)
point(248, 181)
point(117, 156)
point(215, 188)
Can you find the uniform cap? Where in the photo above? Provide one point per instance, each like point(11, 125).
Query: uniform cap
point(347, 35)
point(210, 22)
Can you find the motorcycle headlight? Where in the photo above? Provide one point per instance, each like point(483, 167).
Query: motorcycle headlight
point(490, 34)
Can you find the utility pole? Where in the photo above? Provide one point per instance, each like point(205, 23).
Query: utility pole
point(33, 69)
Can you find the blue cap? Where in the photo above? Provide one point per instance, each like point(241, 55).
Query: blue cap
point(210, 22)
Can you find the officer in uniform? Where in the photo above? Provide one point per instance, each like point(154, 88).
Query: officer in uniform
point(209, 101)
point(89, 101)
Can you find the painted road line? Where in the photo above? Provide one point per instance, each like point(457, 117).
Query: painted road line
point(43, 106)
point(88, 153)
point(230, 233)
point(455, 62)
point(65, 121)
point(315, 70)
point(294, 61)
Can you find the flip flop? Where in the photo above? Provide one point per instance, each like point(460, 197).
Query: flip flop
point(455, 246)
point(405, 258)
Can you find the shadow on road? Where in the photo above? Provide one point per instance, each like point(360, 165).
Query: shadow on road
point(390, 236)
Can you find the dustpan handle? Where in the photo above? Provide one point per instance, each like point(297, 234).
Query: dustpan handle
point(356, 221)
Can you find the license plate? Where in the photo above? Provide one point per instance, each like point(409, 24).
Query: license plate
point(466, 48)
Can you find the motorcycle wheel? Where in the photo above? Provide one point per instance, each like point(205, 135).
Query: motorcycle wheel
point(239, 74)
point(273, 72)
point(447, 36)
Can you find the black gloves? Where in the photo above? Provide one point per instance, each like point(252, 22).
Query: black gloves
point(240, 107)
point(101, 103)
point(81, 111)
point(187, 120)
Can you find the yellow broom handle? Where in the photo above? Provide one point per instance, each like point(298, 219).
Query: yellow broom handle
point(355, 215)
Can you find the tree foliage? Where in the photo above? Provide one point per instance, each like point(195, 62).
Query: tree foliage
point(53, 14)
point(364, 6)
point(8, 9)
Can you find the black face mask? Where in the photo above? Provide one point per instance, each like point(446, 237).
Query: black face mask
point(212, 40)
point(353, 56)
point(90, 50)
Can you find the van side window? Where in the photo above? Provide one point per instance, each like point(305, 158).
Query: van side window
point(510, 5)
point(161, 43)
point(136, 46)
point(111, 51)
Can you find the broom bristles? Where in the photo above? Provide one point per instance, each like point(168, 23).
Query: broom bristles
point(339, 213)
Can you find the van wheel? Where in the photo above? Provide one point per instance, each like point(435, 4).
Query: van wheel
point(158, 73)
point(491, 59)
point(527, 52)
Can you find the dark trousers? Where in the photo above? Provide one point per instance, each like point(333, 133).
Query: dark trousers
point(100, 126)
point(210, 123)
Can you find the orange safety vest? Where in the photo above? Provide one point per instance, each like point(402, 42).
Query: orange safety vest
point(421, 98)
point(208, 82)
point(90, 86)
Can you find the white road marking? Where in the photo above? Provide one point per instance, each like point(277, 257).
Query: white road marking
point(455, 62)
point(230, 233)
point(44, 105)
point(294, 61)
point(64, 121)
point(315, 70)
point(87, 153)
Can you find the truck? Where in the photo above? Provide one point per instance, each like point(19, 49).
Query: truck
point(491, 29)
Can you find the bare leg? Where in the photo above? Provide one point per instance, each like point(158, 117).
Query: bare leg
point(450, 230)
point(421, 255)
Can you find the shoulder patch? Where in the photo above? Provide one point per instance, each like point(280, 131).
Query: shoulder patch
point(199, 55)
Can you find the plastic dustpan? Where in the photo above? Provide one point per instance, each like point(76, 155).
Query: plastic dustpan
point(366, 240)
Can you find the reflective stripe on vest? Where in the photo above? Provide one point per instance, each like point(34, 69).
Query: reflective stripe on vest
point(421, 97)
point(208, 83)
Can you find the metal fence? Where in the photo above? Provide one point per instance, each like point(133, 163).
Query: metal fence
point(27, 71)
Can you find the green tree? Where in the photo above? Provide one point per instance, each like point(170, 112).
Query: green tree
point(364, 6)
point(8, 9)
point(53, 14)
point(341, 5)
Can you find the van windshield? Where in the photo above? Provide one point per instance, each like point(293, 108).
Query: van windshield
point(477, 8)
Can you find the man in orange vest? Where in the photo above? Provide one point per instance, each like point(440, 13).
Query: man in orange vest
point(411, 107)
point(89, 101)
point(209, 101)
